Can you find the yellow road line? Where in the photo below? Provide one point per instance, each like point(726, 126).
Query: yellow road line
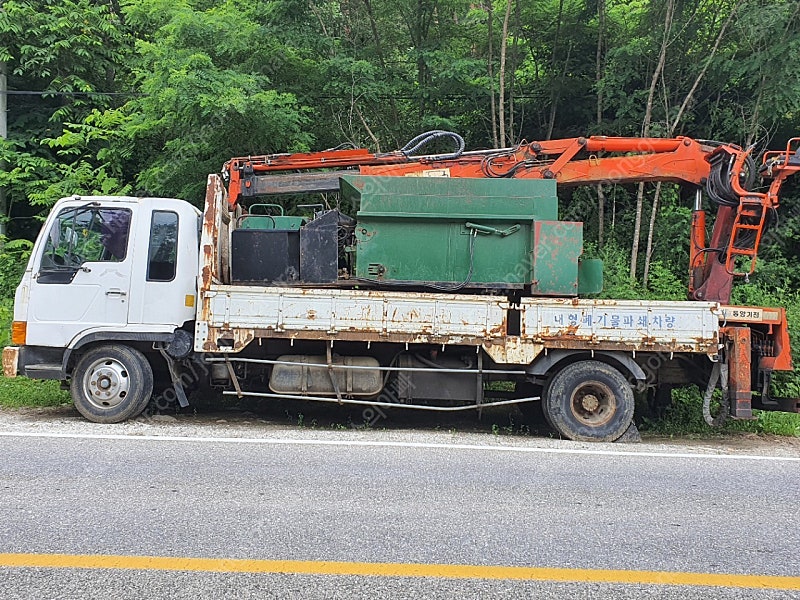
point(229, 565)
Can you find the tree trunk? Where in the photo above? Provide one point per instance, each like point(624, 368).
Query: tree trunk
point(512, 79)
point(490, 69)
point(674, 125)
point(671, 132)
point(614, 211)
point(601, 214)
point(366, 126)
point(601, 197)
point(553, 93)
point(754, 125)
point(601, 24)
point(115, 9)
point(418, 23)
point(373, 24)
point(648, 116)
point(501, 116)
point(650, 231)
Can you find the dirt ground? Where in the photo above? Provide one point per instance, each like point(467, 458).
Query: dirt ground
point(294, 418)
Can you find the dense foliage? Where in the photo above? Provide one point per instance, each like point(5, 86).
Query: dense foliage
point(148, 96)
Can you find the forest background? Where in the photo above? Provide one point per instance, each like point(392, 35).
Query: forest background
point(146, 97)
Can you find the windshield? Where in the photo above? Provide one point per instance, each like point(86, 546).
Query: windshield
point(86, 234)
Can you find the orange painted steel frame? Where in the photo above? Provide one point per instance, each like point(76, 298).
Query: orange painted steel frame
point(681, 160)
point(740, 372)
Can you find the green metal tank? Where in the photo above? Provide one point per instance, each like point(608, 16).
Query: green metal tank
point(460, 233)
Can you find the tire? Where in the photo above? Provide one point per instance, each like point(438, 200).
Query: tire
point(111, 384)
point(589, 401)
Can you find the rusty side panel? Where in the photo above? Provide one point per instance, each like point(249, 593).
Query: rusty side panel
point(209, 271)
point(236, 339)
point(238, 314)
point(636, 325)
point(214, 247)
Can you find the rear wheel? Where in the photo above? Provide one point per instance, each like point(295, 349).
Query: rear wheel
point(111, 384)
point(589, 401)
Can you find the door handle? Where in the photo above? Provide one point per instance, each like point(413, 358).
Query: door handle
point(116, 292)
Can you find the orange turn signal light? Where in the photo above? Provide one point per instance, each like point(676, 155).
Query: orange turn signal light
point(19, 331)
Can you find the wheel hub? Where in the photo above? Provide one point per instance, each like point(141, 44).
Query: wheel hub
point(593, 403)
point(106, 383)
point(590, 402)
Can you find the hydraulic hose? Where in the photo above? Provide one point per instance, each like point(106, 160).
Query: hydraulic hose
point(719, 372)
point(426, 138)
point(719, 186)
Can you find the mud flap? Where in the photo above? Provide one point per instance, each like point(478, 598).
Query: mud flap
point(177, 384)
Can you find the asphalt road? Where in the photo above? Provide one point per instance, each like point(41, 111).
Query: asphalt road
point(402, 498)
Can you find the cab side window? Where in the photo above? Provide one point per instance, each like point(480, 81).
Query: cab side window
point(163, 251)
point(84, 234)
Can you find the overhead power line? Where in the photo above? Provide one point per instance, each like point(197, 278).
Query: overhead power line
point(315, 97)
point(54, 93)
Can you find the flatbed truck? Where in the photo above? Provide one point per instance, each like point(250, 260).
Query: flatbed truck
point(123, 296)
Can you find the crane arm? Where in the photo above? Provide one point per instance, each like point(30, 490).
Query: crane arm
point(256, 175)
point(681, 160)
point(576, 161)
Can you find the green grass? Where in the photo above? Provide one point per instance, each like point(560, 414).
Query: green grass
point(17, 392)
point(775, 423)
point(685, 417)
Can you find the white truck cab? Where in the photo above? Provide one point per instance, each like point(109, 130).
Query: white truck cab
point(104, 270)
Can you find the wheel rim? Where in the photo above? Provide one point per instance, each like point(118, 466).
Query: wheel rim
point(106, 384)
point(593, 403)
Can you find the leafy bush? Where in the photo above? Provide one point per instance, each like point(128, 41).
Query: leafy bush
point(13, 259)
point(617, 283)
point(6, 316)
point(685, 416)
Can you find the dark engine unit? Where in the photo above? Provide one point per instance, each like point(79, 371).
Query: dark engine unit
point(287, 250)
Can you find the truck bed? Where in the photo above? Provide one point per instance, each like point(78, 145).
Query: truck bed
point(230, 317)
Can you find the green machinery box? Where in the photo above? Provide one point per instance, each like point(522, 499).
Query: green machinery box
point(464, 233)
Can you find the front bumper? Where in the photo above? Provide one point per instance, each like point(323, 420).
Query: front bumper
point(10, 361)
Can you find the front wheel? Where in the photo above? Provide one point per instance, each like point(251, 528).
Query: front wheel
point(589, 401)
point(111, 384)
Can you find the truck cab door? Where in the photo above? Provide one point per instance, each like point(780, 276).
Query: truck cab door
point(81, 279)
point(164, 282)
